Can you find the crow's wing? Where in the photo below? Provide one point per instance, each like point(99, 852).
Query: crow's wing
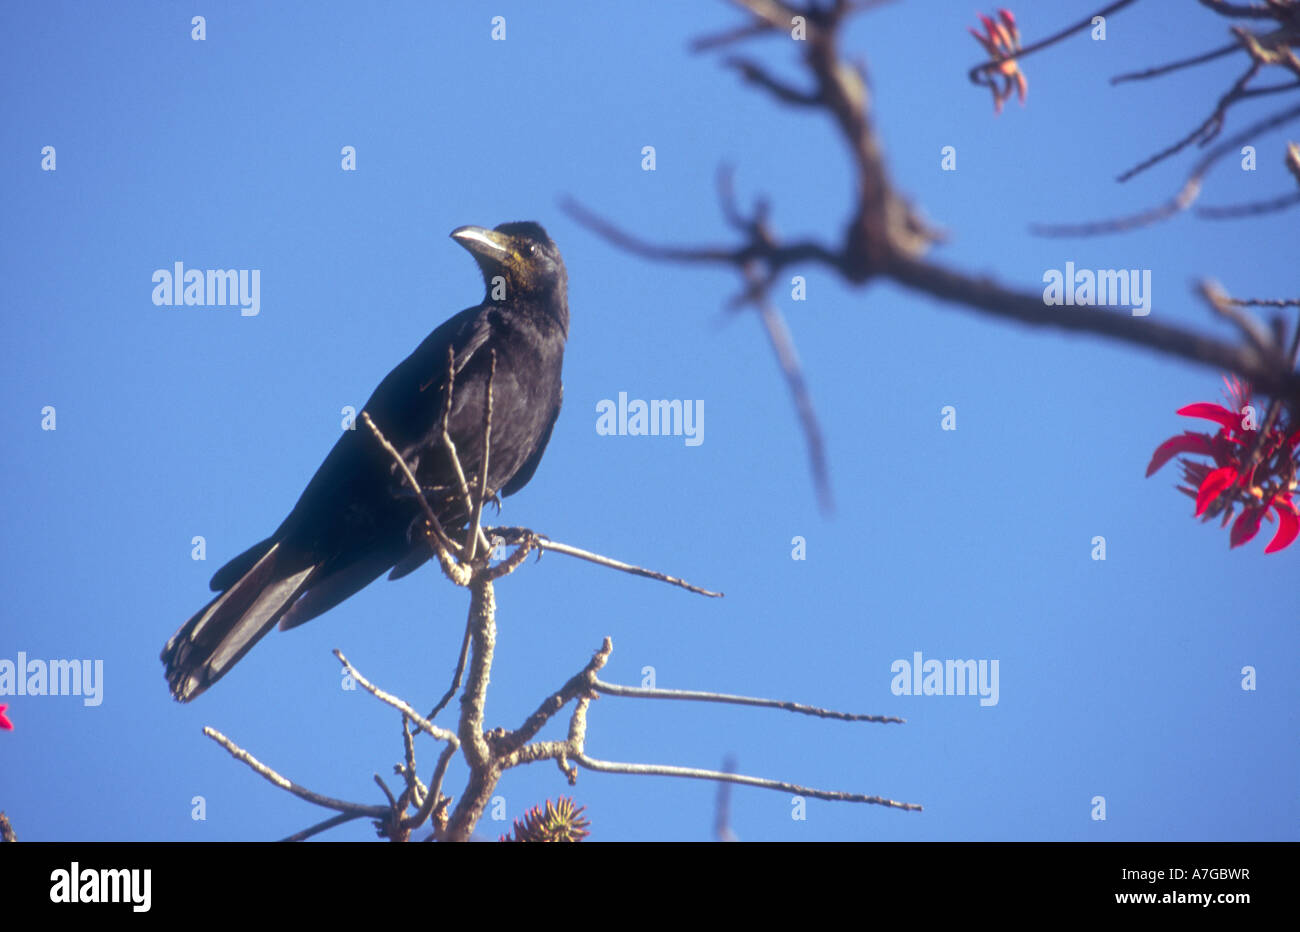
point(520, 478)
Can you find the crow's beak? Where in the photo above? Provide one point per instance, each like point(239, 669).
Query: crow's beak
point(489, 244)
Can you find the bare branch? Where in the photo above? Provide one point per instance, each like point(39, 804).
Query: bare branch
point(415, 789)
point(640, 692)
point(439, 542)
point(1237, 10)
point(392, 800)
point(1265, 302)
point(450, 444)
point(1177, 65)
point(476, 532)
point(542, 542)
point(579, 686)
point(783, 345)
point(887, 237)
point(1255, 333)
point(441, 734)
point(1253, 209)
point(756, 74)
point(693, 773)
point(1186, 195)
point(434, 801)
point(324, 826)
point(991, 297)
point(707, 43)
point(477, 751)
point(640, 247)
point(446, 431)
point(456, 677)
point(1208, 129)
point(327, 802)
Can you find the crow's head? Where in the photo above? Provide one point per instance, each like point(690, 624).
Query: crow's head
point(519, 256)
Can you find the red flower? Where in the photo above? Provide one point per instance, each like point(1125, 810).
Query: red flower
point(1254, 467)
point(5, 724)
point(1002, 41)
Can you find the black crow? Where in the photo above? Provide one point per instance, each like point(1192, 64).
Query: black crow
point(357, 518)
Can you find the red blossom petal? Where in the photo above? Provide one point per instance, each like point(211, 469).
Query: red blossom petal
point(1010, 22)
point(1288, 527)
point(1212, 412)
point(1184, 443)
point(5, 724)
point(988, 46)
point(1238, 392)
point(1246, 526)
point(1214, 483)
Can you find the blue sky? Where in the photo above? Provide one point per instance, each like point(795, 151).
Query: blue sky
point(1119, 679)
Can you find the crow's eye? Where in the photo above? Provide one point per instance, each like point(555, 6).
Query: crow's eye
point(532, 249)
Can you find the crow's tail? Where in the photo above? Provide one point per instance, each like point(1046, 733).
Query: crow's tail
point(220, 633)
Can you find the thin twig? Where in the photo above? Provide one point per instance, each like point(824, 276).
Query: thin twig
point(440, 543)
point(1252, 209)
point(324, 826)
point(327, 802)
point(778, 334)
point(1185, 196)
point(640, 692)
point(1175, 66)
point(446, 430)
point(693, 773)
point(442, 734)
point(1251, 11)
point(579, 685)
point(707, 43)
point(545, 543)
point(756, 74)
point(434, 800)
point(477, 520)
point(1207, 130)
point(415, 790)
point(1256, 333)
point(432, 797)
point(392, 800)
point(1265, 302)
point(450, 444)
point(456, 677)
